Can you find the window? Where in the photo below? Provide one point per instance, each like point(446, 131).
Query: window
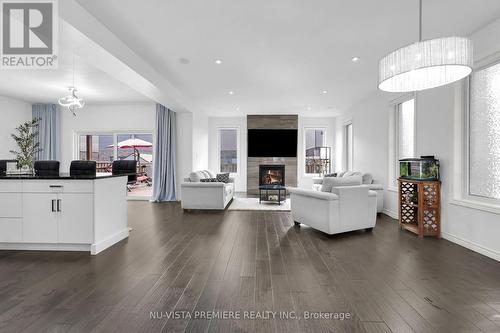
point(96, 147)
point(349, 147)
point(403, 137)
point(313, 139)
point(406, 129)
point(100, 147)
point(484, 134)
point(228, 150)
point(137, 147)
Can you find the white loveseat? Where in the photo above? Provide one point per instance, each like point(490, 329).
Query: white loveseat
point(196, 194)
point(366, 179)
point(345, 208)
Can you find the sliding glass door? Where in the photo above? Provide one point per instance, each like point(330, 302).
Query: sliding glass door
point(106, 147)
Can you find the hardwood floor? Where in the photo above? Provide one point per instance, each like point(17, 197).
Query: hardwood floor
point(386, 280)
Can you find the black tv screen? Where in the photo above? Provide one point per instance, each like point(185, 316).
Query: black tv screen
point(272, 143)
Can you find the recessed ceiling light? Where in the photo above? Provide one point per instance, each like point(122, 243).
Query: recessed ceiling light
point(231, 92)
point(218, 61)
point(308, 108)
point(355, 59)
point(237, 109)
point(325, 91)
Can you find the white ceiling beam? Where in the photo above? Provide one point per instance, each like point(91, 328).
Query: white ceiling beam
point(83, 34)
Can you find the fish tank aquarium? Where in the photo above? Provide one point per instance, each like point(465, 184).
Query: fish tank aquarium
point(424, 168)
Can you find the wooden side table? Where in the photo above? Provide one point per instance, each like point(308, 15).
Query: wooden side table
point(420, 206)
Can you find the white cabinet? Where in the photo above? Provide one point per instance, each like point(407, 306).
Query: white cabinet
point(75, 217)
point(40, 218)
point(11, 229)
point(57, 218)
point(63, 214)
point(11, 205)
point(11, 212)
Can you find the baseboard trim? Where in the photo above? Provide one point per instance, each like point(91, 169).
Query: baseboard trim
point(44, 247)
point(390, 213)
point(111, 240)
point(472, 246)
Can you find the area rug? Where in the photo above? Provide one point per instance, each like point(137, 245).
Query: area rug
point(253, 204)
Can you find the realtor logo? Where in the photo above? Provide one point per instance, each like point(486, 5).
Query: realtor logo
point(29, 34)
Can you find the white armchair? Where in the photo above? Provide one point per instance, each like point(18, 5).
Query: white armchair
point(344, 209)
point(196, 194)
point(367, 179)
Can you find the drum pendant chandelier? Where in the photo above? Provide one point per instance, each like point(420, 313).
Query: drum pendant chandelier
point(426, 64)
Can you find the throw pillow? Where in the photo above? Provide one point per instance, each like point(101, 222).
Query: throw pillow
point(205, 174)
point(211, 173)
point(367, 178)
point(331, 182)
point(223, 177)
point(209, 180)
point(349, 181)
point(331, 175)
point(195, 176)
point(328, 183)
point(351, 173)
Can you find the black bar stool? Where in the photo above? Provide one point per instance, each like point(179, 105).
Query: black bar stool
point(82, 168)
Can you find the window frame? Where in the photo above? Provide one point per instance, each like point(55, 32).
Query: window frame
point(461, 160)
point(394, 114)
point(311, 128)
point(238, 148)
point(113, 133)
point(346, 150)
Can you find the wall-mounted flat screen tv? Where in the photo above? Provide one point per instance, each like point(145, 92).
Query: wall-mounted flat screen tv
point(272, 143)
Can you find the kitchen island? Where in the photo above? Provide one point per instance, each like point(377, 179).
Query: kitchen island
point(63, 213)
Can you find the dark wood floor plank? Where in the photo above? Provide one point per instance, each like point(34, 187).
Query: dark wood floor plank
point(375, 327)
point(245, 302)
point(388, 280)
point(206, 303)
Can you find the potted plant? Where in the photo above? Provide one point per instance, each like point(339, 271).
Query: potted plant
point(28, 146)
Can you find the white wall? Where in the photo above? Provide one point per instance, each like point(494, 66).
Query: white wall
point(435, 108)
point(13, 112)
point(130, 117)
point(241, 123)
point(105, 117)
point(240, 178)
point(184, 148)
point(200, 141)
point(370, 121)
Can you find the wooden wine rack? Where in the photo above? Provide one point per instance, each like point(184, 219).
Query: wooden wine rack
point(420, 207)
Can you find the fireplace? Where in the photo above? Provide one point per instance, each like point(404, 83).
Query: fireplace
point(271, 175)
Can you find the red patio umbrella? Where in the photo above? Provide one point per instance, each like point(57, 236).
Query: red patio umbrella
point(134, 143)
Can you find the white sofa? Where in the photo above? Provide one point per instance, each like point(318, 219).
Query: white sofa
point(367, 179)
point(346, 208)
point(196, 194)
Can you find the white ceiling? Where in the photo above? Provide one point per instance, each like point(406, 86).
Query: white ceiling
point(279, 55)
point(46, 86)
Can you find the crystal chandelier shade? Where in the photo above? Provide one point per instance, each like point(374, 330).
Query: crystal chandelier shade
point(72, 101)
point(427, 64)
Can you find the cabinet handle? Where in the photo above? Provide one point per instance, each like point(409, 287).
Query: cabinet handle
point(53, 202)
point(58, 205)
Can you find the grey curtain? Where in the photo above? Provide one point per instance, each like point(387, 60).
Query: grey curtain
point(164, 184)
point(48, 130)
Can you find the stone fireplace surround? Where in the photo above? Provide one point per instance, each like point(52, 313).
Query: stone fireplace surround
point(253, 163)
